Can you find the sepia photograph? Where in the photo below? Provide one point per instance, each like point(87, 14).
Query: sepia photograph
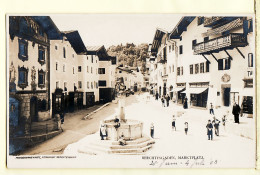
point(131, 91)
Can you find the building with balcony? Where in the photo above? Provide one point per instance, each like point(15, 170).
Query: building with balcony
point(215, 61)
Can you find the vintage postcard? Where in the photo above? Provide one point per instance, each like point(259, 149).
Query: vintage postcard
point(131, 91)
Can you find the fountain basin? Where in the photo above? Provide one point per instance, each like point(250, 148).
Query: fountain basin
point(131, 129)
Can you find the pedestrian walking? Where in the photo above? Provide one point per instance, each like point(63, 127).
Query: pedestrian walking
point(216, 123)
point(152, 130)
point(173, 123)
point(211, 109)
point(162, 99)
point(236, 112)
point(224, 121)
point(156, 96)
point(209, 127)
point(167, 100)
point(185, 103)
point(186, 127)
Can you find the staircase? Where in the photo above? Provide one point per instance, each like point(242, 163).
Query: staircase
point(133, 147)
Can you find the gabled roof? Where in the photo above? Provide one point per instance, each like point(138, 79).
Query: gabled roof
point(181, 26)
point(75, 41)
point(100, 51)
point(159, 33)
point(48, 26)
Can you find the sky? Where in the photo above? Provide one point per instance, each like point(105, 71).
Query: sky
point(114, 29)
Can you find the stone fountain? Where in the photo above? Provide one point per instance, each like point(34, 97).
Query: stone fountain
point(136, 142)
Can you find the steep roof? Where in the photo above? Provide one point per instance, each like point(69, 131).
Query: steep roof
point(48, 26)
point(159, 33)
point(181, 26)
point(75, 41)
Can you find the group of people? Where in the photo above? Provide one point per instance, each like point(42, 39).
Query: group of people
point(165, 100)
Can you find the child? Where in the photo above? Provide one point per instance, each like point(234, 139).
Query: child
point(186, 127)
point(216, 122)
point(173, 123)
point(211, 110)
point(162, 99)
point(209, 127)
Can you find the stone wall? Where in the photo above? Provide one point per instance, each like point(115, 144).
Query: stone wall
point(24, 115)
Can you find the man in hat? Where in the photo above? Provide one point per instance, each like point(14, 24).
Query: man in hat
point(209, 127)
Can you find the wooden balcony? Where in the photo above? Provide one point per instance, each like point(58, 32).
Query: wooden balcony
point(229, 41)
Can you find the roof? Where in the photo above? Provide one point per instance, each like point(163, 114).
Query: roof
point(100, 51)
point(75, 41)
point(159, 33)
point(48, 26)
point(181, 26)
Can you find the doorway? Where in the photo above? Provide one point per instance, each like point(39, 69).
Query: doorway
point(226, 96)
point(34, 109)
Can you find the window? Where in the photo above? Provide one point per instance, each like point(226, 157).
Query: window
point(194, 42)
point(250, 60)
point(207, 66)
point(80, 84)
point(64, 52)
point(170, 69)
point(181, 72)
point(248, 83)
point(206, 39)
point(88, 85)
point(180, 49)
point(96, 85)
point(92, 59)
point(73, 70)
point(41, 55)
point(23, 50)
point(56, 65)
point(41, 78)
point(101, 71)
point(23, 77)
point(91, 70)
point(64, 68)
point(72, 55)
point(57, 84)
point(56, 47)
point(87, 68)
point(196, 68)
point(102, 83)
point(79, 68)
point(224, 64)
point(170, 48)
point(178, 70)
point(120, 71)
point(191, 69)
point(65, 86)
point(91, 85)
point(201, 67)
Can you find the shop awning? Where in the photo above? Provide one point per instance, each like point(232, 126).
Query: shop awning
point(177, 89)
point(195, 90)
point(232, 25)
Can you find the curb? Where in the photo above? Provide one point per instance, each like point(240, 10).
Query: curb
point(87, 117)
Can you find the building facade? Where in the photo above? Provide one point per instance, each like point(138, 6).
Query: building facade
point(209, 60)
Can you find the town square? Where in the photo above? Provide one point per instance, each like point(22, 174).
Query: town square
point(188, 92)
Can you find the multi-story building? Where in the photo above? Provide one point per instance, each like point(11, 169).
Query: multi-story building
point(29, 73)
point(209, 60)
point(65, 72)
point(159, 53)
